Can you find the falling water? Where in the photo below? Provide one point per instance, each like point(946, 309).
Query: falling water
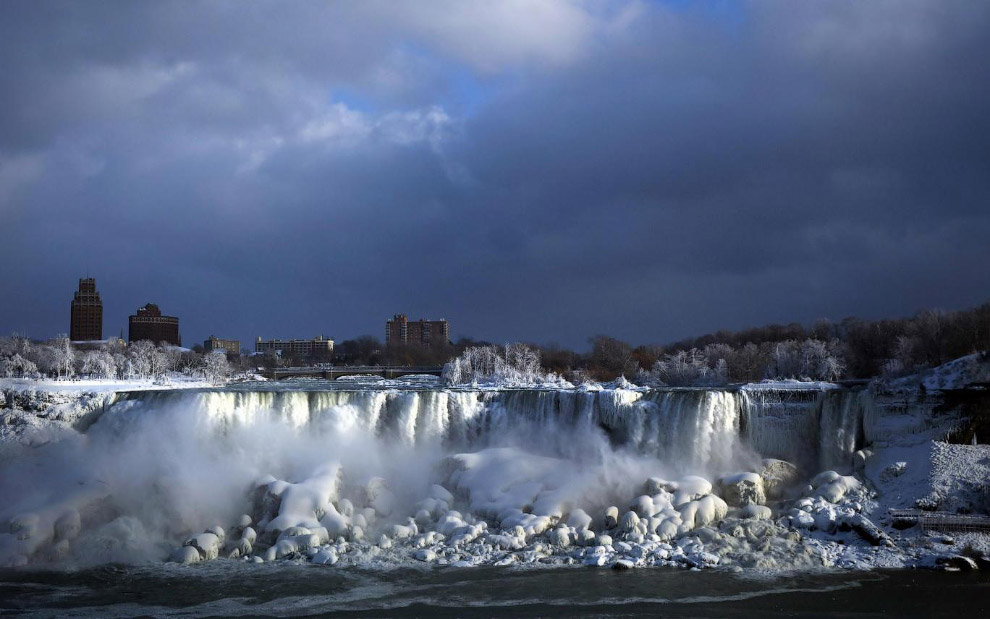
point(693, 429)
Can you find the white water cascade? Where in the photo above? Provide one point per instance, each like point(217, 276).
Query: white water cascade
point(816, 429)
point(691, 429)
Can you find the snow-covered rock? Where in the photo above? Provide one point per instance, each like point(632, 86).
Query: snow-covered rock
point(777, 476)
point(742, 489)
point(832, 487)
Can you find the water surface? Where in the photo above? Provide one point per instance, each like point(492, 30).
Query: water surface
point(231, 589)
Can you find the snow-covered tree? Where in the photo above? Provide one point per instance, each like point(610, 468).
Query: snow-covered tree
point(179, 360)
point(16, 345)
point(99, 364)
point(523, 359)
point(823, 360)
point(139, 359)
point(17, 366)
point(511, 364)
point(807, 360)
point(689, 368)
point(123, 365)
point(147, 359)
point(60, 357)
point(215, 367)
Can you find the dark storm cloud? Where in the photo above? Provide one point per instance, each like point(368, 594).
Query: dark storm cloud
point(549, 173)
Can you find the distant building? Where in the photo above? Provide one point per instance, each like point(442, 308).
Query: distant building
point(149, 324)
point(231, 347)
point(422, 332)
point(318, 347)
point(86, 322)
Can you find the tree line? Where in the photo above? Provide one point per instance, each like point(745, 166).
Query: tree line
point(850, 349)
point(57, 358)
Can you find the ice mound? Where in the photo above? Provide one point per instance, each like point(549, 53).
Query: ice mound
point(502, 506)
point(832, 487)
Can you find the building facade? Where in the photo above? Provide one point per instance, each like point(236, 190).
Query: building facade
point(402, 331)
point(319, 347)
point(149, 324)
point(86, 320)
point(231, 347)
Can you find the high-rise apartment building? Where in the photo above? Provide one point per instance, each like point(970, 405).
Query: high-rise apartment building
point(86, 321)
point(422, 332)
point(149, 324)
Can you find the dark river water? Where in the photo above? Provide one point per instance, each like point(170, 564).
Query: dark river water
point(225, 589)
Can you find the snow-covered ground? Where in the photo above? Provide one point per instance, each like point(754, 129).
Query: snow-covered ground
point(956, 374)
point(35, 411)
point(960, 478)
point(93, 386)
point(789, 385)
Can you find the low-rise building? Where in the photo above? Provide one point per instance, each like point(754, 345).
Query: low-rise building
point(319, 347)
point(231, 347)
point(149, 324)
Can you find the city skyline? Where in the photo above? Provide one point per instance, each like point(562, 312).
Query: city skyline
point(301, 333)
point(87, 286)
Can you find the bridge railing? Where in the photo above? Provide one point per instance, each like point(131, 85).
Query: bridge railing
point(943, 521)
point(348, 368)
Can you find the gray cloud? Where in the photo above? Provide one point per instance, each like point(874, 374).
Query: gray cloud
point(644, 170)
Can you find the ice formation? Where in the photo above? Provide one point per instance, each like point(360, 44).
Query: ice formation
point(614, 476)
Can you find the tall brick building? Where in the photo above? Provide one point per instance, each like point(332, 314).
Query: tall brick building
point(149, 324)
point(86, 321)
point(422, 332)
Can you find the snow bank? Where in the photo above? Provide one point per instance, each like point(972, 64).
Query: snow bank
point(956, 374)
point(92, 386)
point(960, 478)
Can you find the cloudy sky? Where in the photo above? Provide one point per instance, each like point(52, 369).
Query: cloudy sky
point(540, 171)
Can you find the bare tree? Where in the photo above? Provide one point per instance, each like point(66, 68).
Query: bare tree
point(611, 358)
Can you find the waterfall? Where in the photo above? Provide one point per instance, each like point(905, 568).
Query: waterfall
point(816, 429)
point(692, 429)
point(841, 431)
point(783, 424)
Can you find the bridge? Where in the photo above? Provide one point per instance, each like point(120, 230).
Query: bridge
point(335, 372)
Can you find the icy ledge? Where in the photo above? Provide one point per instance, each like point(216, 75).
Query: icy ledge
point(35, 412)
